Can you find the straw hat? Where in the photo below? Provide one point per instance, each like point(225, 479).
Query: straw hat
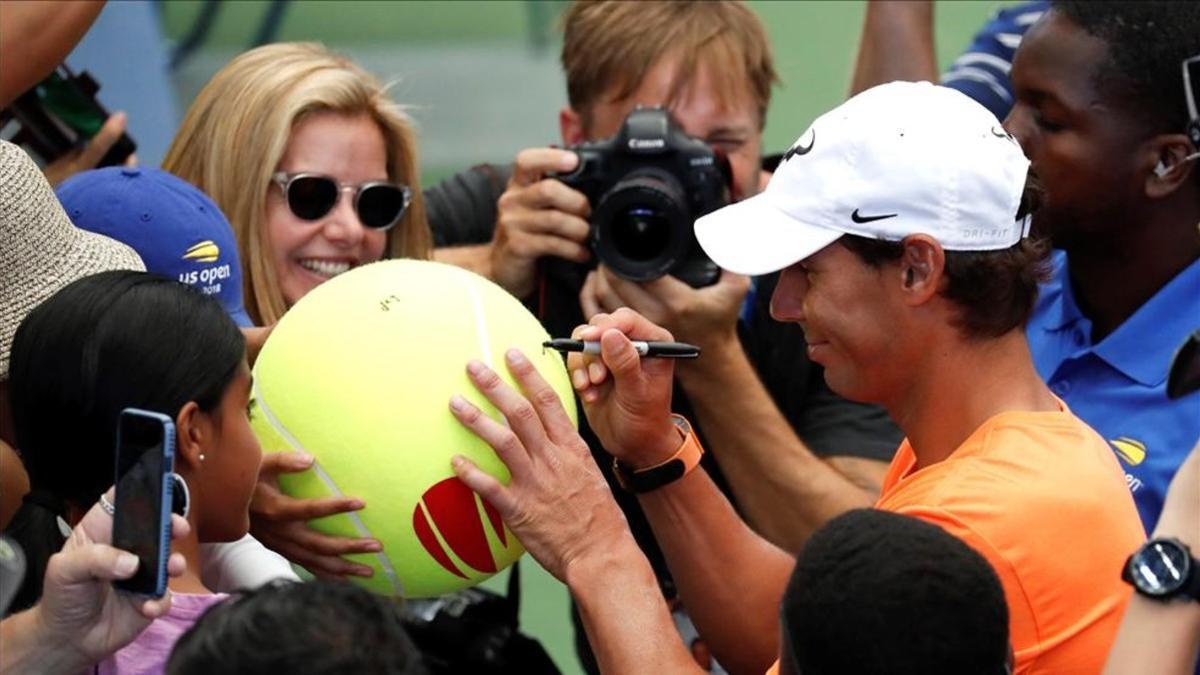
point(40, 250)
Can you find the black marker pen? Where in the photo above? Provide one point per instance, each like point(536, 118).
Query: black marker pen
point(660, 350)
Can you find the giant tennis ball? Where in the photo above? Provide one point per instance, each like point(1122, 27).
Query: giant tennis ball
point(359, 374)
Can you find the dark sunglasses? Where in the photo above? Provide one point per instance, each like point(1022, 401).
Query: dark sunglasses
point(311, 196)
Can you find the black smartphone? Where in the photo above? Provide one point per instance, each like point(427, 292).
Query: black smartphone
point(58, 116)
point(142, 522)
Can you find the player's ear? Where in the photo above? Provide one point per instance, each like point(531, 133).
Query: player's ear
point(922, 266)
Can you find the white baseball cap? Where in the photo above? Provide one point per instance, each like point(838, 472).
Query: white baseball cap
point(898, 159)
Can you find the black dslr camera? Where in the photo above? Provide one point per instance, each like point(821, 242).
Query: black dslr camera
point(60, 115)
point(647, 186)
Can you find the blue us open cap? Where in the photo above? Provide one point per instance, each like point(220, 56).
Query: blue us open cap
point(177, 230)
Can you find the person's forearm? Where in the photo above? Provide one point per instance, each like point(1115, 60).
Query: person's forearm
point(785, 491)
point(730, 579)
point(476, 258)
point(37, 36)
point(25, 647)
point(623, 612)
point(1165, 634)
point(896, 44)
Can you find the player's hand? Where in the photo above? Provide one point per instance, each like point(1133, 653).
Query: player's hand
point(79, 606)
point(91, 153)
point(627, 399)
point(706, 317)
point(280, 522)
point(557, 503)
point(537, 216)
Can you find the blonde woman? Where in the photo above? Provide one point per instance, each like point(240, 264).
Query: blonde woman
point(316, 170)
point(315, 167)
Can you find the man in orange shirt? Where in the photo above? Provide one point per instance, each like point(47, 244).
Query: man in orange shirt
point(899, 220)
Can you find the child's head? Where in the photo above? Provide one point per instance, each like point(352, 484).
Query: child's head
point(318, 628)
point(130, 339)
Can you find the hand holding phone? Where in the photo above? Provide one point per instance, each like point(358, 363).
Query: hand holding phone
point(61, 117)
point(142, 522)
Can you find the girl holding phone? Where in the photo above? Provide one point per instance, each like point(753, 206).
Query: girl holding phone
point(120, 340)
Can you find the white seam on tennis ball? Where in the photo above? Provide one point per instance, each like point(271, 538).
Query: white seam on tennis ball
point(384, 562)
point(485, 344)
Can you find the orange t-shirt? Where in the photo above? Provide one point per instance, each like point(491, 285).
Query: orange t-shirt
point(1040, 495)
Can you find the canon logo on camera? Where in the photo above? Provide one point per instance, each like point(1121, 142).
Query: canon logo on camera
point(647, 143)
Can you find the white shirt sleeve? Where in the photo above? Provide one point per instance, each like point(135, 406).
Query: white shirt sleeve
point(243, 564)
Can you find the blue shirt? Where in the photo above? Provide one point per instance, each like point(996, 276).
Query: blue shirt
point(982, 70)
point(1118, 386)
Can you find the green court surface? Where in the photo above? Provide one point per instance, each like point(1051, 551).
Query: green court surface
point(483, 82)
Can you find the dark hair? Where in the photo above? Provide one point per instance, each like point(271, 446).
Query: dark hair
point(103, 343)
point(995, 290)
point(1147, 41)
point(317, 628)
point(879, 592)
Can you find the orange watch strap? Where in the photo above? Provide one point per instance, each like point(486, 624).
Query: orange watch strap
point(678, 465)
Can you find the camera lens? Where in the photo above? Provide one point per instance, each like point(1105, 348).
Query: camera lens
point(642, 226)
point(641, 233)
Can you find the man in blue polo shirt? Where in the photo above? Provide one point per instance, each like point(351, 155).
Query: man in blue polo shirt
point(1098, 100)
point(1103, 112)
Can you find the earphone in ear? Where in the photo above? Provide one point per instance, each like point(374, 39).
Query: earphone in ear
point(1161, 169)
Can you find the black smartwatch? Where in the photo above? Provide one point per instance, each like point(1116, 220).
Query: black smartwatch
point(1164, 569)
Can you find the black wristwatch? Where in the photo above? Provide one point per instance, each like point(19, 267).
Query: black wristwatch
point(1163, 569)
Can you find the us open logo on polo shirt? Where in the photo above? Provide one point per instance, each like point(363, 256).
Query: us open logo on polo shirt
point(207, 279)
point(1132, 452)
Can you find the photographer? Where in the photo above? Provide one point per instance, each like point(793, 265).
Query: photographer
point(710, 65)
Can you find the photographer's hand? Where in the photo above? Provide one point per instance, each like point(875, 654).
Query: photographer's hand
point(281, 522)
point(627, 399)
point(91, 153)
point(536, 217)
point(706, 317)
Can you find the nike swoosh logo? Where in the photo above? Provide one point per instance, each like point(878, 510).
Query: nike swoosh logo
point(798, 149)
point(869, 219)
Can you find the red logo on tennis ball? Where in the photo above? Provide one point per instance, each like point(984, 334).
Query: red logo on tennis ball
point(452, 509)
